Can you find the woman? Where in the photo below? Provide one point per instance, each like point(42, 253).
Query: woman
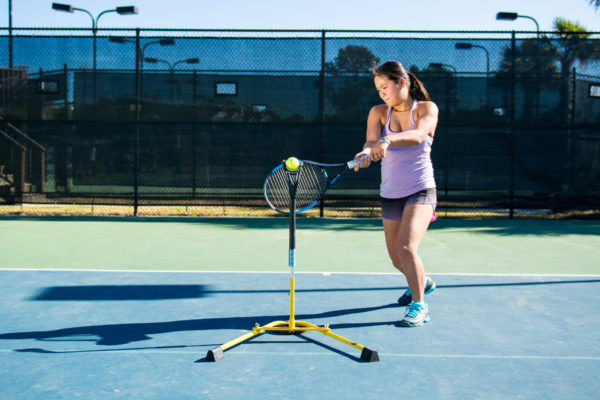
point(400, 134)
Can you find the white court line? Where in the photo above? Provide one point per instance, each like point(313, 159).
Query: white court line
point(288, 272)
point(198, 351)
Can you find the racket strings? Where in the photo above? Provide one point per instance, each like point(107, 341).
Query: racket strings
point(311, 185)
point(277, 190)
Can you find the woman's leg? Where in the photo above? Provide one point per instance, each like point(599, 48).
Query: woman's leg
point(391, 228)
point(414, 224)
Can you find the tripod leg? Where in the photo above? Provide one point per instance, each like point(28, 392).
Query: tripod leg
point(366, 355)
point(217, 353)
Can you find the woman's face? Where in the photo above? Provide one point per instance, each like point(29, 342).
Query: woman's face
point(388, 90)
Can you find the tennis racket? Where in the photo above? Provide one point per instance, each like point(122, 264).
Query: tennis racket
point(307, 185)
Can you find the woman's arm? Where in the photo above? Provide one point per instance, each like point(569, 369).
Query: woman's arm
point(425, 124)
point(375, 123)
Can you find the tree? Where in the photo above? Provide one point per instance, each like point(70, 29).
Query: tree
point(574, 45)
point(351, 83)
point(595, 3)
point(440, 82)
point(534, 66)
point(539, 61)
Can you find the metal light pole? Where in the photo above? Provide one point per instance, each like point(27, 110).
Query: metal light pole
point(172, 67)
point(126, 10)
point(10, 35)
point(469, 46)
point(511, 16)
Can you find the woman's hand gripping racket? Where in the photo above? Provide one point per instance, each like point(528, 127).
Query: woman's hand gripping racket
point(307, 184)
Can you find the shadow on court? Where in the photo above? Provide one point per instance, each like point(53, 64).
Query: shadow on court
point(119, 334)
point(165, 292)
point(76, 333)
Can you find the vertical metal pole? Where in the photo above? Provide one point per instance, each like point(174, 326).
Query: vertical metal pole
point(66, 95)
point(292, 247)
point(447, 140)
point(136, 156)
point(10, 35)
point(573, 94)
point(511, 150)
point(194, 134)
point(95, 84)
point(322, 107)
point(322, 81)
point(572, 122)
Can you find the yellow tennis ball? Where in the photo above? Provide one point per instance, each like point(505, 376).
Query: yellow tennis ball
point(292, 164)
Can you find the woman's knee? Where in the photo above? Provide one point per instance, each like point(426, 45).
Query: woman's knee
point(406, 254)
point(397, 264)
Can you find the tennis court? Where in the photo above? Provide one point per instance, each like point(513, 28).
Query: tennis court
point(128, 308)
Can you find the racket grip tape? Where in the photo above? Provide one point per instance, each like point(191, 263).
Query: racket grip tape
point(353, 163)
point(292, 258)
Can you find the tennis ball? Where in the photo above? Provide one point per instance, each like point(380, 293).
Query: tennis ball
point(292, 164)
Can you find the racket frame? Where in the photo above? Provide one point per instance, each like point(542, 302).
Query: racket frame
point(347, 166)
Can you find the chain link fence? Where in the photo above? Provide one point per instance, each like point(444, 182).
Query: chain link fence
point(190, 122)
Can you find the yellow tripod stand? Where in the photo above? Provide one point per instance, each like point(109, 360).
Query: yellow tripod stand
point(291, 326)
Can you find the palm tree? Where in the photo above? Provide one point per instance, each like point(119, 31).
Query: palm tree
point(534, 66)
point(595, 3)
point(574, 45)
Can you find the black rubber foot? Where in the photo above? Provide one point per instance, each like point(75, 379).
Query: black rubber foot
point(369, 355)
point(216, 354)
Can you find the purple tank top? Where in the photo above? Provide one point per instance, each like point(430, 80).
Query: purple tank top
point(406, 170)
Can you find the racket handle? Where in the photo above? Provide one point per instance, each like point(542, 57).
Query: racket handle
point(353, 163)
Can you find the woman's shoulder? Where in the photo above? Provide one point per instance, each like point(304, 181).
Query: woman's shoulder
point(379, 110)
point(426, 106)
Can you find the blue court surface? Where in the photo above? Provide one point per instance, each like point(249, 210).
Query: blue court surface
point(145, 335)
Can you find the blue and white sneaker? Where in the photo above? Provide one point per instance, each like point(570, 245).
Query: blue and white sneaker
point(416, 314)
point(406, 298)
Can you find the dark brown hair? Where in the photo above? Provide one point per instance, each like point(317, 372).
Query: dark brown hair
point(393, 70)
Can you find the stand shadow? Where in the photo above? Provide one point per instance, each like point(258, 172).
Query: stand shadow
point(120, 334)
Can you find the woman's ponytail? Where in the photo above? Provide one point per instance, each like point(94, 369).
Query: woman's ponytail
point(417, 89)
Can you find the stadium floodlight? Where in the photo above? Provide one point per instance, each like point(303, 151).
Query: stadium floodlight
point(511, 16)
point(463, 46)
point(124, 10)
point(127, 10)
point(167, 42)
point(117, 39)
point(506, 16)
point(62, 7)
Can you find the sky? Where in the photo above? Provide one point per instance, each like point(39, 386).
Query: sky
point(453, 15)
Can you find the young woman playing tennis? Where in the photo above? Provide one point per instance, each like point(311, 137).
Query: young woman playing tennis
point(400, 134)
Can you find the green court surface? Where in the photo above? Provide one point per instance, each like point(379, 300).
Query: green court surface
point(567, 247)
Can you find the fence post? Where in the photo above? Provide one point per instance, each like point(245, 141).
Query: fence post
point(513, 52)
point(322, 106)
point(66, 94)
point(572, 121)
point(194, 134)
point(136, 155)
point(10, 35)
